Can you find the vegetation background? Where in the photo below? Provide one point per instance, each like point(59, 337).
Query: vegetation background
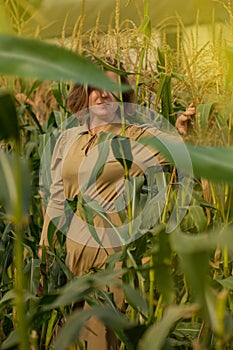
point(181, 298)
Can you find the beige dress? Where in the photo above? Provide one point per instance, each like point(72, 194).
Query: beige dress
point(74, 159)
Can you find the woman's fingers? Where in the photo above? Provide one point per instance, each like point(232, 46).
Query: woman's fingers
point(190, 111)
point(182, 124)
point(183, 120)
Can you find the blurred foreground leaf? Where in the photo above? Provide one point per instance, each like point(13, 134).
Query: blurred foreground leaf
point(213, 163)
point(71, 330)
point(35, 59)
point(155, 337)
point(11, 341)
point(15, 189)
point(194, 254)
point(8, 117)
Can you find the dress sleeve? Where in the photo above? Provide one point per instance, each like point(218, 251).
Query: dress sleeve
point(152, 131)
point(55, 207)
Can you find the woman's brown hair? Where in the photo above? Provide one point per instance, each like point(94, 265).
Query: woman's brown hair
point(77, 99)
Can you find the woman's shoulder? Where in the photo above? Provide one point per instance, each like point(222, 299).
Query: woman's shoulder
point(71, 133)
point(68, 136)
point(136, 131)
point(76, 130)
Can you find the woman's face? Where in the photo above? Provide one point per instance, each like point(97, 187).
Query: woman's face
point(102, 103)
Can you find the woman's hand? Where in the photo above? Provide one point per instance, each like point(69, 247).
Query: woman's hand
point(183, 120)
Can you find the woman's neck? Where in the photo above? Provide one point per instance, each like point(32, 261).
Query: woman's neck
point(97, 129)
point(96, 126)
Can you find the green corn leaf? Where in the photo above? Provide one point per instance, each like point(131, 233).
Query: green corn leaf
point(36, 59)
point(15, 191)
point(198, 217)
point(152, 210)
point(91, 208)
point(145, 27)
point(135, 299)
point(121, 148)
point(7, 298)
point(78, 288)
point(57, 94)
point(34, 118)
point(52, 228)
point(32, 275)
point(89, 214)
point(9, 127)
point(74, 292)
point(161, 87)
point(194, 253)
point(213, 163)
point(155, 337)
point(33, 88)
point(226, 282)
point(111, 68)
point(103, 152)
point(11, 341)
point(203, 114)
point(161, 60)
point(135, 188)
point(162, 260)
point(51, 324)
point(71, 330)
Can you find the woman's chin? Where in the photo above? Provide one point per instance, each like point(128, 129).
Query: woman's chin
point(105, 112)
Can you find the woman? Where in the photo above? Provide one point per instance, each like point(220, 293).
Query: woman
point(85, 166)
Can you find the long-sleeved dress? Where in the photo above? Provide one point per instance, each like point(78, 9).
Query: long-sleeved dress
point(76, 157)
